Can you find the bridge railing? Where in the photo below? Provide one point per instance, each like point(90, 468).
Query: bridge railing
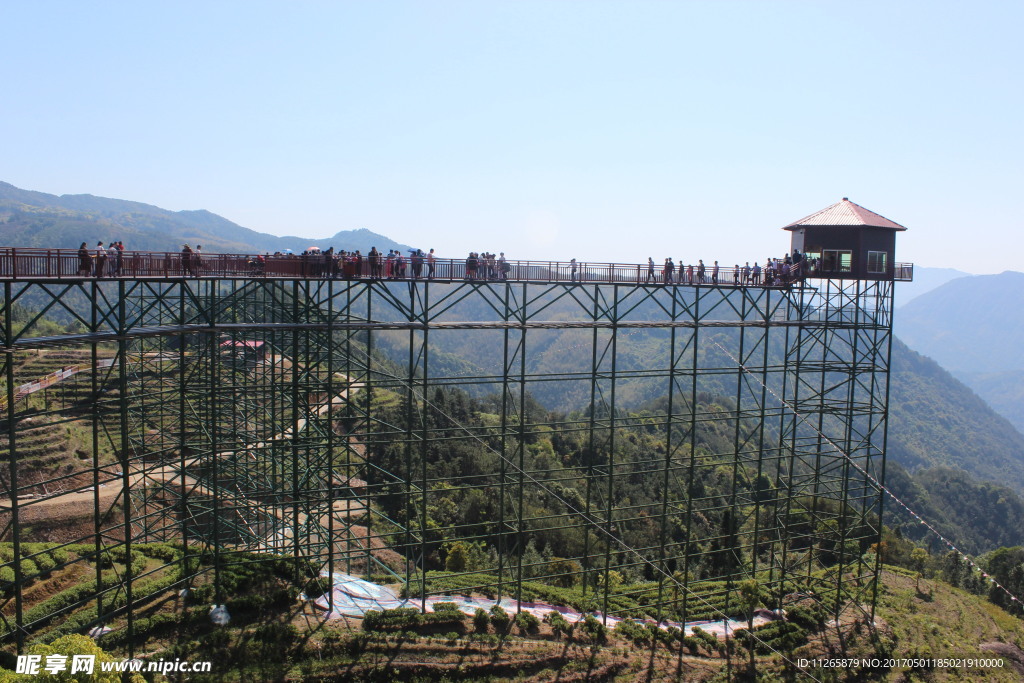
point(21, 263)
point(903, 272)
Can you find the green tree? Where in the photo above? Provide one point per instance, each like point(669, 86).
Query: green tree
point(750, 598)
point(68, 646)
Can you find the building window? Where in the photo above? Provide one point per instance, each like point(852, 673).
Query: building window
point(878, 261)
point(836, 260)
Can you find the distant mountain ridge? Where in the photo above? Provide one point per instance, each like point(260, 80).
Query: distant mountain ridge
point(974, 327)
point(37, 219)
point(925, 280)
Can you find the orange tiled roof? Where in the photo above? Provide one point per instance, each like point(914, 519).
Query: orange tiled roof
point(846, 213)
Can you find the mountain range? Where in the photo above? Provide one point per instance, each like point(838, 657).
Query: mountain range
point(974, 327)
point(37, 219)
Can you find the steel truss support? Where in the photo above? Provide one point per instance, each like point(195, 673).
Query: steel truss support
point(335, 423)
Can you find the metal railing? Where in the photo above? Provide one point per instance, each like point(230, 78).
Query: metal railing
point(903, 272)
point(19, 263)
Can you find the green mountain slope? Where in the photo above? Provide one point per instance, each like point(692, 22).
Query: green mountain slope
point(974, 327)
point(977, 516)
point(937, 421)
point(37, 219)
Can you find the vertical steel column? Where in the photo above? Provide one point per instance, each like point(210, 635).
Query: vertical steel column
point(12, 464)
point(762, 403)
point(332, 487)
point(125, 459)
point(889, 302)
point(95, 416)
point(847, 451)
point(667, 468)
point(182, 406)
point(369, 421)
point(424, 426)
point(610, 495)
point(736, 562)
point(503, 550)
point(213, 360)
point(688, 548)
point(521, 446)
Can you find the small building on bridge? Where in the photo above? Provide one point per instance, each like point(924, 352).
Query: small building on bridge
point(848, 242)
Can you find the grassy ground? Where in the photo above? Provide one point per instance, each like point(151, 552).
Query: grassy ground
point(274, 635)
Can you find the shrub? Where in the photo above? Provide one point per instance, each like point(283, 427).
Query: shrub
point(527, 623)
point(693, 644)
point(318, 586)
point(480, 620)
point(59, 556)
point(160, 551)
point(597, 631)
point(446, 607)
point(775, 635)
point(28, 568)
point(708, 639)
point(6, 577)
point(201, 595)
point(371, 620)
point(809, 618)
point(558, 624)
point(500, 619)
point(633, 632)
point(45, 563)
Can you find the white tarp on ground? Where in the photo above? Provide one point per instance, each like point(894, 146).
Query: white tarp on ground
point(353, 597)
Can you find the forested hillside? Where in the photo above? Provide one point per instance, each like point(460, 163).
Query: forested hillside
point(977, 516)
point(974, 327)
point(934, 419)
point(937, 421)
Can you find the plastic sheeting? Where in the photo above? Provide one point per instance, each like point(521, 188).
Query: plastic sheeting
point(353, 596)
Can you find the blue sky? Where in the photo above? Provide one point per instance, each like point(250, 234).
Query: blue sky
point(605, 131)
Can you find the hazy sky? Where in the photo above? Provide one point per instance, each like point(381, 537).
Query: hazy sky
point(605, 131)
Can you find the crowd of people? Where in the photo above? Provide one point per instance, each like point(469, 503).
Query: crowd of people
point(102, 261)
point(354, 264)
point(486, 266)
point(775, 272)
point(108, 261)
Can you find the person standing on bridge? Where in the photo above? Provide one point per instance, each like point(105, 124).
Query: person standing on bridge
point(84, 261)
point(112, 259)
point(670, 269)
point(714, 273)
point(186, 260)
point(650, 270)
point(572, 270)
point(430, 265)
point(701, 271)
point(101, 259)
point(374, 258)
point(417, 264)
